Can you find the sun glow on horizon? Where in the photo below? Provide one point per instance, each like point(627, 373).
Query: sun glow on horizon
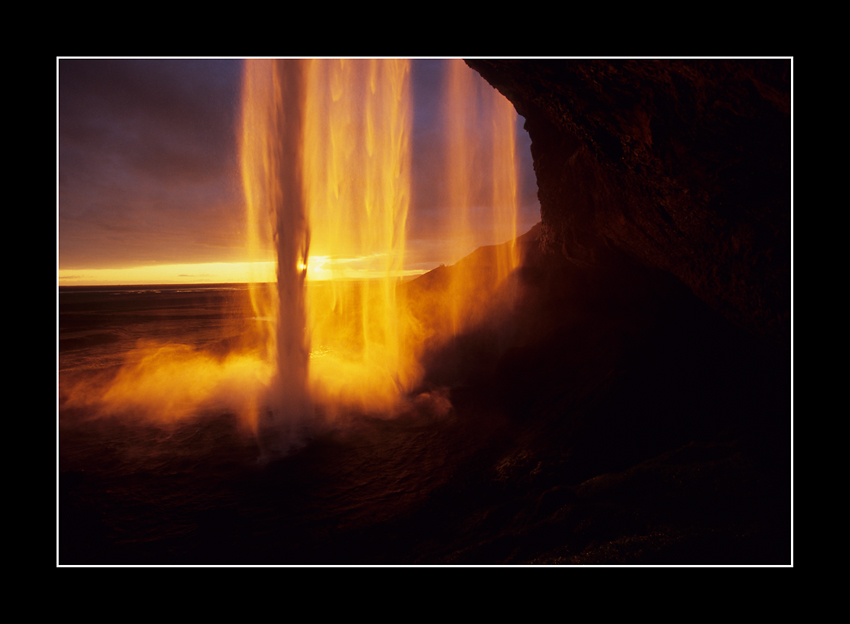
point(319, 268)
point(201, 273)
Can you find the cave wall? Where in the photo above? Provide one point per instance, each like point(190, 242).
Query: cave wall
point(681, 165)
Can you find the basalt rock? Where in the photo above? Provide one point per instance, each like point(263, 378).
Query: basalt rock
point(681, 165)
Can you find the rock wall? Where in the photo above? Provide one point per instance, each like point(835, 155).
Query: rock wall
point(679, 165)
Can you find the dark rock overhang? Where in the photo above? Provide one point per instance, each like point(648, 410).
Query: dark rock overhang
point(682, 165)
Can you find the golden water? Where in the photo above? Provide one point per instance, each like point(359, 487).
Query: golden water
point(479, 128)
point(357, 184)
point(273, 102)
point(331, 146)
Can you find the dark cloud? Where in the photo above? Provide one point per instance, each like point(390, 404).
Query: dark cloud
point(158, 117)
point(147, 154)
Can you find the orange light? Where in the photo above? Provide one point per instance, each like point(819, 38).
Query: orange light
point(477, 214)
point(357, 186)
point(326, 168)
point(201, 273)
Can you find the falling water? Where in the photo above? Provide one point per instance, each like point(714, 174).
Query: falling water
point(505, 182)
point(357, 175)
point(479, 127)
point(272, 109)
point(326, 151)
point(326, 142)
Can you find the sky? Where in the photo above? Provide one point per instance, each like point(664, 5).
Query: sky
point(148, 181)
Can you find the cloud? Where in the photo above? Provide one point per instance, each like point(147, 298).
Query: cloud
point(147, 154)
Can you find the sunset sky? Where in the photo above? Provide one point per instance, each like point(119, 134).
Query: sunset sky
point(148, 173)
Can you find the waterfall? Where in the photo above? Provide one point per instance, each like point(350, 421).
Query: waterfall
point(272, 126)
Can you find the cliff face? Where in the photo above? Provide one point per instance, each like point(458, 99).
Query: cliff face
point(680, 165)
